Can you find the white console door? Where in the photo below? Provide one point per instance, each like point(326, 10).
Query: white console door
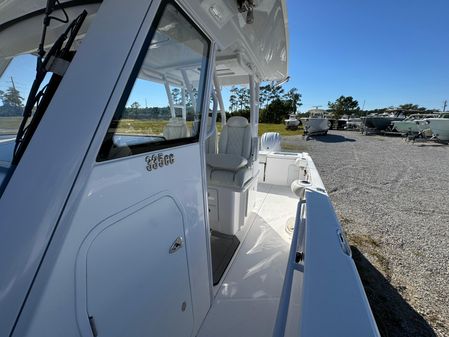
point(132, 276)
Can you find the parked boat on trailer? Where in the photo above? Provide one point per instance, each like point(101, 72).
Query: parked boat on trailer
point(292, 123)
point(377, 123)
point(414, 124)
point(316, 123)
point(354, 123)
point(120, 220)
point(350, 122)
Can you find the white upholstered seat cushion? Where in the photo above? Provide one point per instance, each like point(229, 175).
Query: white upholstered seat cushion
point(224, 161)
point(230, 178)
point(231, 165)
point(235, 137)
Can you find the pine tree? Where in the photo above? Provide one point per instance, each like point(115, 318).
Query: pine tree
point(11, 97)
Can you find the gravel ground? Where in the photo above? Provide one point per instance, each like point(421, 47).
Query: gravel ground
point(391, 197)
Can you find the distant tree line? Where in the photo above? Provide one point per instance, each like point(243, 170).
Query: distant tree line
point(407, 109)
point(275, 104)
point(347, 105)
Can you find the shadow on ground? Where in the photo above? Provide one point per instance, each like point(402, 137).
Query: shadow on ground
point(329, 138)
point(429, 145)
point(394, 316)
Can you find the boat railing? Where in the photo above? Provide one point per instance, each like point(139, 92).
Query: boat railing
point(293, 264)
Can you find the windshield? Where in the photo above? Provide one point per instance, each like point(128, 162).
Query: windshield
point(15, 85)
point(27, 85)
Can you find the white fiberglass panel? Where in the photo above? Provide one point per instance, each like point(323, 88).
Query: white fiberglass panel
point(49, 167)
point(247, 300)
point(97, 191)
point(334, 302)
point(115, 188)
point(132, 282)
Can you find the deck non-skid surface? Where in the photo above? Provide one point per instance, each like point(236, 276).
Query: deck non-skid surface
point(247, 300)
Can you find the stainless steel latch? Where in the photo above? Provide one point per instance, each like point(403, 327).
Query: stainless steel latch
point(176, 245)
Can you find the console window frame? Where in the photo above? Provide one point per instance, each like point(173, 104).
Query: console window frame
point(145, 49)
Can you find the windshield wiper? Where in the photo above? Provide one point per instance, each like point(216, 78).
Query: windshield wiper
point(56, 60)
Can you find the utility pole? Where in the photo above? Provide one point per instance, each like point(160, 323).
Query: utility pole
point(13, 85)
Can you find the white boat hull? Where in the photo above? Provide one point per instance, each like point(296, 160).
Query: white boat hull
point(316, 125)
point(440, 128)
point(424, 127)
point(406, 126)
point(291, 122)
point(413, 127)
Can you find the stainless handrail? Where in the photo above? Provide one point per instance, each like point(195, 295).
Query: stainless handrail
point(284, 301)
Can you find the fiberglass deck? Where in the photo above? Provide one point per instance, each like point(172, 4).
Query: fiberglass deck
point(246, 301)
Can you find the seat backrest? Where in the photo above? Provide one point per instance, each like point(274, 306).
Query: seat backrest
point(235, 137)
point(176, 128)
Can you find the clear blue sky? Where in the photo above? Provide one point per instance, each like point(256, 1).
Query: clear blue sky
point(383, 52)
point(386, 52)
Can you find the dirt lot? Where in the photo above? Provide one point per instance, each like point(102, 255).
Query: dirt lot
point(391, 197)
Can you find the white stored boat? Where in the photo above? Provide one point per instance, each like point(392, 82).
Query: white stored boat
point(414, 124)
point(125, 221)
point(316, 123)
point(440, 126)
point(354, 123)
point(350, 122)
point(292, 122)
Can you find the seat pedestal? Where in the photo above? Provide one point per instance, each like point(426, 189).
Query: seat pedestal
point(229, 207)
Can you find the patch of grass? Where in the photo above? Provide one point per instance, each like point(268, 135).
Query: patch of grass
point(361, 240)
point(150, 127)
point(371, 247)
point(156, 127)
point(293, 147)
point(267, 127)
point(9, 125)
